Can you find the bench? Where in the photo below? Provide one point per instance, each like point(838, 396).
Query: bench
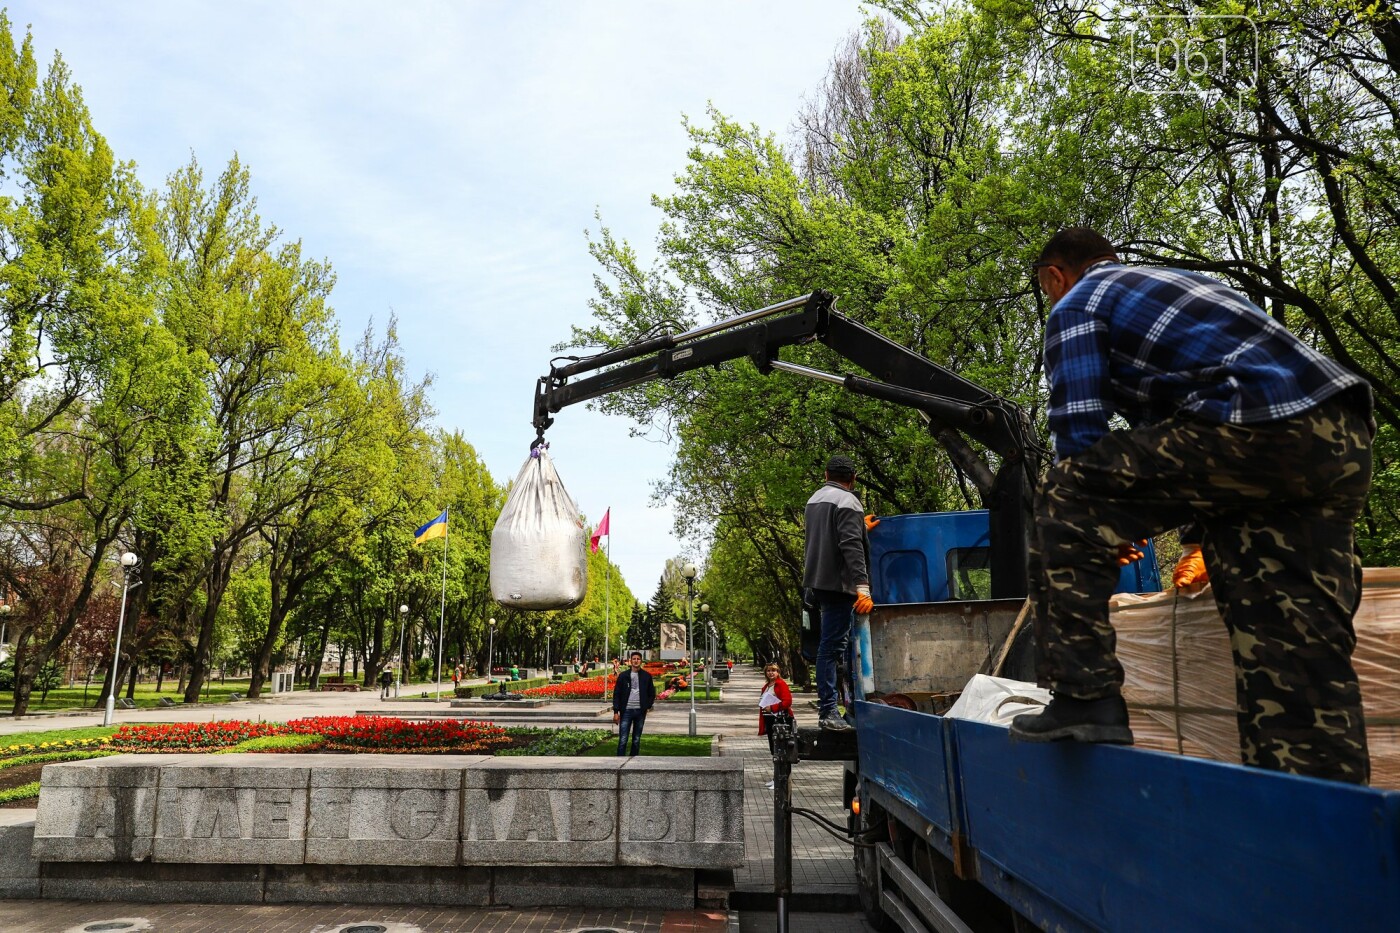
point(336, 688)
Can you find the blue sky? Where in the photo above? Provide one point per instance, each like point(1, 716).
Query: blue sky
point(447, 159)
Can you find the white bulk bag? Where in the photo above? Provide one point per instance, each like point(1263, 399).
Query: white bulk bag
point(537, 547)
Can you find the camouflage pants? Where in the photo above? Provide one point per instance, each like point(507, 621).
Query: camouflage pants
point(1275, 504)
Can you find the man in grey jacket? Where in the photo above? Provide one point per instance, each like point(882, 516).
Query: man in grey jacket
point(836, 572)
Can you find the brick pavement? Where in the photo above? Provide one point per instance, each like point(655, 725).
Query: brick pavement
point(76, 916)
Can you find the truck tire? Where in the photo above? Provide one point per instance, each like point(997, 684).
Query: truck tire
point(867, 865)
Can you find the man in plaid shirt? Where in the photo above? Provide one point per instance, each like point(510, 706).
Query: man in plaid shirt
point(1254, 443)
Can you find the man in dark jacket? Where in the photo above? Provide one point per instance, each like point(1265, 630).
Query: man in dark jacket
point(836, 572)
point(633, 697)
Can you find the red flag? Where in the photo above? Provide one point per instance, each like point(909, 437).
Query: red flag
point(600, 531)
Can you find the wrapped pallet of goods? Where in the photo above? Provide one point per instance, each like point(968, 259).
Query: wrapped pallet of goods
point(1179, 673)
point(538, 559)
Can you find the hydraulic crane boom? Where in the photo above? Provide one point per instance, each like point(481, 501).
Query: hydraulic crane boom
point(954, 408)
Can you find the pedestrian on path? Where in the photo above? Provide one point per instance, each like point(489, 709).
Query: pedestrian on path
point(385, 680)
point(774, 703)
point(633, 697)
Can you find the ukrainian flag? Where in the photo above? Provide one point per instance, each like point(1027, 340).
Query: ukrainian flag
point(437, 528)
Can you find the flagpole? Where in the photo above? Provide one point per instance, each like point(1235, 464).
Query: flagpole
point(607, 611)
point(442, 614)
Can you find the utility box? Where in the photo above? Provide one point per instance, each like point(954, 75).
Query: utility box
point(282, 681)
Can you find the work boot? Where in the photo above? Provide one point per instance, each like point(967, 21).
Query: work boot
point(1102, 720)
point(834, 723)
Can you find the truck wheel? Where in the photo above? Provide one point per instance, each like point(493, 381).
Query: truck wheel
point(867, 865)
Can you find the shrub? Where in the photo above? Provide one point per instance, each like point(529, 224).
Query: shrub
point(296, 742)
point(49, 757)
point(23, 792)
point(514, 686)
point(557, 741)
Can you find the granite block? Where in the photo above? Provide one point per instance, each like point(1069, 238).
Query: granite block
point(540, 811)
point(19, 870)
point(146, 882)
point(642, 888)
point(246, 809)
point(683, 817)
point(448, 886)
point(97, 811)
point(369, 813)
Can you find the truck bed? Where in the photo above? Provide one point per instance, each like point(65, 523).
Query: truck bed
point(1084, 837)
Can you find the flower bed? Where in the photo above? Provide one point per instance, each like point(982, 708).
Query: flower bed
point(383, 733)
point(341, 733)
point(190, 736)
point(589, 688)
point(29, 748)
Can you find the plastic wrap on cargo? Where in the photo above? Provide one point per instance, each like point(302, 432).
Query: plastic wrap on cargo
point(997, 699)
point(537, 547)
point(1179, 673)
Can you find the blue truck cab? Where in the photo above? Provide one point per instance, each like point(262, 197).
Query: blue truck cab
point(939, 556)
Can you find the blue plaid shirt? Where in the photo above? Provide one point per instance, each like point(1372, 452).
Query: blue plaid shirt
point(1148, 343)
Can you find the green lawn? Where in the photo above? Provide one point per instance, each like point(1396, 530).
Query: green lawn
point(55, 735)
point(697, 746)
point(146, 696)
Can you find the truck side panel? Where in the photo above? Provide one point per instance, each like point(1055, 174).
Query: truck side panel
point(1124, 839)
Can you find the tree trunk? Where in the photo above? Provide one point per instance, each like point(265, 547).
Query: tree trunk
point(218, 583)
point(262, 662)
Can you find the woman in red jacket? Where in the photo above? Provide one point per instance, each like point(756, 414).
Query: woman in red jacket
point(774, 704)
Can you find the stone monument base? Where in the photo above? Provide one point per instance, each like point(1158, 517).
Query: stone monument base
point(467, 830)
point(21, 876)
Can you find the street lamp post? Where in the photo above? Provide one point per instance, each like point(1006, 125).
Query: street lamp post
point(490, 647)
point(688, 571)
point(403, 624)
point(129, 562)
point(709, 654)
point(548, 671)
point(579, 636)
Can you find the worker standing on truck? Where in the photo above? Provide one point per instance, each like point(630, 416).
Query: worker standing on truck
point(1243, 432)
point(836, 573)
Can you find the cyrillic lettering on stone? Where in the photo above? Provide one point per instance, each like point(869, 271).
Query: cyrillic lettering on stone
point(533, 817)
point(479, 815)
point(651, 821)
point(330, 813)
point(414, 813)
point(270, 813)
point(218, 812)
point(591, 815)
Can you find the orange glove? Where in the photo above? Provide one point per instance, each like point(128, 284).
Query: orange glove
point(863, 601)
point(870, 522)
point(1130, 553)
point(1190, 573)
